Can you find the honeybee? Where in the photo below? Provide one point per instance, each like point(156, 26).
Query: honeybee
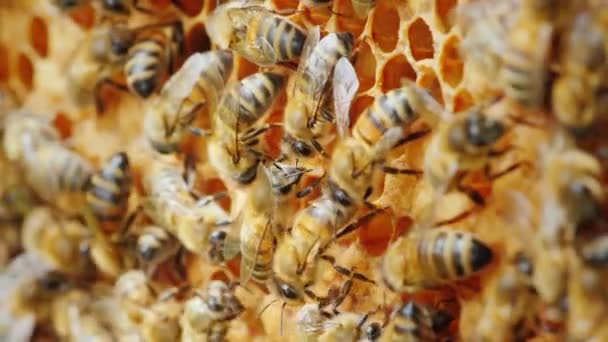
point(15, 203)
point(196, 85)
point(345, 326)
point(134, 293)
point(307, 98)
point(430, 258)
point(577, 98)
point(100, 56)
point(231, 151)
point(416, 322)
point(507, 300)
point(207, 315)
point(108, 190)
point(255, 33)
point(152, 56)
point(155, 245)
point(170, 205)
point(463, 144)
point(161, 320)
point(24, 132)
point(55, 241)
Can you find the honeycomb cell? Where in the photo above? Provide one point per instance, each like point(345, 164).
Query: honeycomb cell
point(450, 64)
point(358, 106)
point(429, 80)
point(25, 70)
point(394, 71)
point(197, 39)
point(4, 63)
point(285, 5)
point(190, 8)
point(39, 36)
point(215, 186)
point(365, 65)
point(346, 19)
point(376, 236)
point(443, 8)
point(319, 15)
point(245, 68)
point(84, 16)
point(421, 40)
point(462, 100)
point(385, 27)
point(63, 124)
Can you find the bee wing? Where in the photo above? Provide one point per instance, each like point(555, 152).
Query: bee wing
point(312, 39)
point(247, 267)
point(425, 104)
point(345, 84)
point(21, 329)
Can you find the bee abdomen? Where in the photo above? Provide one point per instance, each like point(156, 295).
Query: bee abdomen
point(286, 38)
point(451, 255)
point(257, 93)
point(109, 189)
point(73, 171)
point(145, 66)
point(522, 83)
point(412, 323)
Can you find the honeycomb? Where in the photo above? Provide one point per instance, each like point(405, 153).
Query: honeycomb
point(417, 40)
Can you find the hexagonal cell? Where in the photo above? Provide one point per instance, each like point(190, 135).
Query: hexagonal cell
point(450, 64)
point(197, 39)
point(421, 40)
point(285, 5)
point(376, 236)
point(244, 68)
point(346, 20)
point(4, 63)
point(63, 124)
point(394, 71)
point(83, 15)
point(318, 15)
point(25, 69)
point(39, 36)
point(429, 80)
point(385, 28)
point(443, 9)
point(365, 65)
point(462, 101)
point(190, 8)
point(358, 106)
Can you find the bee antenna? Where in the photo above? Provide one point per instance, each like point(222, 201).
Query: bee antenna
point(281, 325)
point(266, 307)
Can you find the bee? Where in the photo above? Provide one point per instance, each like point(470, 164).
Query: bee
point(255, 33)
point(53, 169)
point(24, 132)
point(207, 315)
point(161, 320)
point(100, 56)
point(230, 151)
point(507, 300)
point(55, 241)
point(108, 190)
point(152, 56)
point(586, 291)
point(134, 293)
point(577, 98)
point(416, 322)
point(345, 326)
point(463, 144)
point(172, 206)
point(307, 97)
point(196, 85)
point(430, 258)
point(16, 202)
point(155, 245)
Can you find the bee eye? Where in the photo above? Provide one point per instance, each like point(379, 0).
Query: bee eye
point(373, 331)
point(302, 148)
point(285, 189)
point(147, 254)
point(288, 291)
point(52, 281)
point(214, 305)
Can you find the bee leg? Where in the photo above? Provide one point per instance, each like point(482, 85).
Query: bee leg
point(412, 137)
point(256, 131)
point(395, 171)
point(505, 171)
point(179, 273)
point(356, 224)
point(342, 294)
point(308, 189)
point(345, 271)
point(472, 193)
point(142, 9)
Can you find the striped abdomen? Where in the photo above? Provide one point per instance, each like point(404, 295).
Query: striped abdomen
point(212, 79)
point(108, 191)
point(524, 79)
point(362, 7)
point(390, 110)
point(57, 169)
point(413, 322)
point(146, 64)
point(321, 62)
point(257, 249)
point(285, 39)
point(249, 99)
point(450, 255)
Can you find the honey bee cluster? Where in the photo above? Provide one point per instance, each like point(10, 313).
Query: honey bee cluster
point(422, 170)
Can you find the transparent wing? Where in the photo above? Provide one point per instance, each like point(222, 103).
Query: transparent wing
point(312, 39)
point(425, 104)
point(232, 247)
point(345, 84)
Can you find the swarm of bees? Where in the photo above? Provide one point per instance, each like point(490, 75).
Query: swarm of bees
point(345, 170)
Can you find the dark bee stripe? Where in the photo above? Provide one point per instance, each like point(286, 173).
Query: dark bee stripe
point(284, 39)
point(105, 194)
point(438, 255)
point(384, 102)
point(271, 27)
point(372, 118)
point(297, 42)
point(277, 80)
point(457, 255)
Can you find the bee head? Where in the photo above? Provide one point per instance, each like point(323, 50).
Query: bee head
point(482, 131)
point(288, 292)
point(373, 331)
